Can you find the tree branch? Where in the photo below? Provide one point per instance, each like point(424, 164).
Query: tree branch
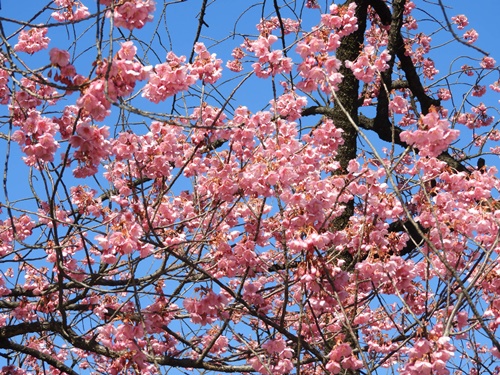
point(388, 133)
point(7, 344)
point(383, 97)
point(397, 46)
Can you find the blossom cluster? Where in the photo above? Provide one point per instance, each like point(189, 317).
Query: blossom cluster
point(206, 66)
point(168, 79)
point(433, 136)
point(342, 357)
point(270, 62)
point(267, 26)
point(20, 227)
point(36, 136)
point(91, 146)
point(33, 40)
point(175, 75)
point(124, 239)
point(130, 14)
point(319, 67)
point(122, 74)
point(367, 66)
point(207, 309)
point(4, 88)
point(59, 57)
point(277, 359)
point(427, 357)
point(343, 21)
point(70, 10)
point(289, 105)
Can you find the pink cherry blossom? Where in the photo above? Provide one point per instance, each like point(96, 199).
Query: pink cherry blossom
point(488, 62)
point(444, 94)
point(471, 36)
point(207, 309)
point(33, 40)
point(367, 65)
point(234, 66)
point(461, 21)
point(91, 146)
point(278, 361)
point(206, 66)
point(132, 14)
point(123, 73)
point(70, 10)
point(495, 352)
point(266, 26)
point(270, 62)
point(59, 57)
point(398, 105)
point(170, 216)
point(13, 370)
point(433, 137)
point(429, 69)
point(289, 105)
point(127, 51)
point(478, 90)
point(168, 79)
point(36, 136)
point(94, 101)
point(4, 88)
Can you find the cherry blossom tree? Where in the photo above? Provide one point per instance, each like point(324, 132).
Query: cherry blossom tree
point(275, 187)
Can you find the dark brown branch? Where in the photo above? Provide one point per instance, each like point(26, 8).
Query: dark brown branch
point(345, 105)
point(414, 232)
point(201, 23)
point(93, 346)
point(388, 133)
point(414, 80)
point(386, 76)
point(10, 331)
point(382, 10)
point(7, 344)
point(399, 84)
point(397, 46)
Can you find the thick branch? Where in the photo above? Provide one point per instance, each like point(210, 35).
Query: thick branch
point(7, 344)
point(396, 46)
point(415, 239)
point(414, 80)
point(382, 10)
point(388, 133)
point(346, 103)
point(94, 347)
point(391, 133)
point(392, 46)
